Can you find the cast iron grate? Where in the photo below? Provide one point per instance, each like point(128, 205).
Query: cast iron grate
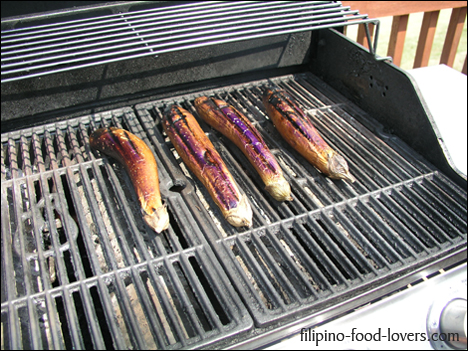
point(335, 237)
point(80, 269)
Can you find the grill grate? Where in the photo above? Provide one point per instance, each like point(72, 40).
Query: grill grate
point(81, 269)
point(59, 47)
point(334, 237)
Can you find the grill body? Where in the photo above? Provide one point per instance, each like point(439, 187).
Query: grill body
point(81, 269)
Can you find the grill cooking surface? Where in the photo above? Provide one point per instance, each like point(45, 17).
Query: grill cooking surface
point(80, 267)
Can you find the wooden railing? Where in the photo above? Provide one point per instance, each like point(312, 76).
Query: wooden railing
point(400, 11)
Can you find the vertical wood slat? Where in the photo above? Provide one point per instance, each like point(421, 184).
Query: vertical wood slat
point(399, 10)
point(345, 30)
point(361, 35)
point(397, 38)
point(452, 39)
point(426, 38)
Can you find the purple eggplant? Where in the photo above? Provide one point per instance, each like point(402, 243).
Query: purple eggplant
point(235, 126)
point(200, 156)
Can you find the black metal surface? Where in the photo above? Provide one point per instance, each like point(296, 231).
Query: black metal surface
point(385, 91)
point(80, 269)
point(64, 46)
point(90, 62)
point(94, 87)
point(16, 11)
point(334, 238)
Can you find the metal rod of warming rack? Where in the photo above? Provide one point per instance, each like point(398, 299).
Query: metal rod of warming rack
point(59, 47)
point(279, 13)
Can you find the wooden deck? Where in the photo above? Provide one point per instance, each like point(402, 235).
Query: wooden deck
point(400, 11)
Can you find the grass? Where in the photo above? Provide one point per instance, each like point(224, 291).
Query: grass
point(412, 36)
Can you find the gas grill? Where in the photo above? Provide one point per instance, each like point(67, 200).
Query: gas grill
point(81, 269)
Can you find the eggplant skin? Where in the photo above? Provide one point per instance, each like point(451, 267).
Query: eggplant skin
point(200, 156)
point(139, 161)
point(296, 128)
point(234, 125)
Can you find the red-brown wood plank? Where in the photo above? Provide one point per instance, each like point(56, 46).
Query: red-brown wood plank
point(397, 38)
point(452, 39)
point(361, 35)
point(426, 38)
point(377, 9)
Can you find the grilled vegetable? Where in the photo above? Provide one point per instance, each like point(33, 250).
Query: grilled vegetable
point(139, 161)
point(235, 126)
point(203, 160)
point(298, 131)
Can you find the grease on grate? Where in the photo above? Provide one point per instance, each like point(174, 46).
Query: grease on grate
point(300, 265)
point(165, 323)
point(95, 232)
point(314, 198)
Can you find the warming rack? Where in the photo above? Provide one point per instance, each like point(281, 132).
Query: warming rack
point(65, 46)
